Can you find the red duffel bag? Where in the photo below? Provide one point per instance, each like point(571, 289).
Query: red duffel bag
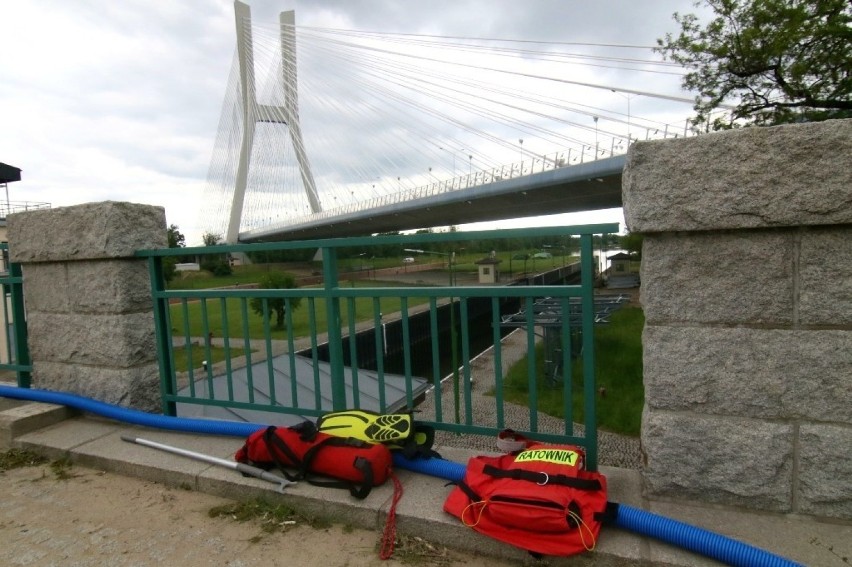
point(355, 464)
point(539, 499)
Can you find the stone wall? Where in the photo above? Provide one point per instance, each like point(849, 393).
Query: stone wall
point(747, 291)
point(89, 308)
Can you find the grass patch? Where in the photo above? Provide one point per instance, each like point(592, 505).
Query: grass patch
point(618, 357)
point(19, 458)
point(22, 458)
point(61, 469)
point(270, 517)
point(247, 274)
point(413, 550)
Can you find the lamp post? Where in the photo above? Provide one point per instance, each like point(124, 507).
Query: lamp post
point(452, 153)
point(432, 177)
point(521, 167)
point(628, 97)
point(595, 118)
point(453, 335)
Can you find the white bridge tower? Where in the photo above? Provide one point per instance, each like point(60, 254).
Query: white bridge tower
point(287, 115)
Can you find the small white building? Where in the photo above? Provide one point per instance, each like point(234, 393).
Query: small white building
point(489, 270)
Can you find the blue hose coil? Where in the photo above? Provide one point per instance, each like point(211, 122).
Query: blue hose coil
point(136, 417)
point(697, 540)
point(692, 538)
point(441, 468)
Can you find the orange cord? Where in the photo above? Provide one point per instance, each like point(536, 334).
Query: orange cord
point(483, 504)
point(580, 525)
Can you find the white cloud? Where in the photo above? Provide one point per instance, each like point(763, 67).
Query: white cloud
point(121, 100)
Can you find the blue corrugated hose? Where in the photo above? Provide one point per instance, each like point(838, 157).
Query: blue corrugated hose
point(136, 417)
point(671, 531)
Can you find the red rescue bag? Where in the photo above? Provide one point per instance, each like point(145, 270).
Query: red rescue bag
point(357, 465)
point(539, 499)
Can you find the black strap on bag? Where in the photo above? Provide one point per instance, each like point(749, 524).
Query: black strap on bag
point(360, 463)
point(543, 478)
point(277, 446)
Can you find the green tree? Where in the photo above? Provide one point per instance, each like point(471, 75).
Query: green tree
point(276, 305)
point(175, 237)
point(781, 60)
point(217, 264)
point(211, 239)
point(175, 240)
point(632, 242)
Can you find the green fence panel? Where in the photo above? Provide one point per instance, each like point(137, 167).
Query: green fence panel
point(351, 336)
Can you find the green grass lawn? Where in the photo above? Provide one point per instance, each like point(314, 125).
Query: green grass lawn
point(233, 313)
point(618, 356)
point(250, 273)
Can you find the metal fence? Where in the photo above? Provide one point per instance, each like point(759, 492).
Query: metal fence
point(14, 351)
point(379, 347)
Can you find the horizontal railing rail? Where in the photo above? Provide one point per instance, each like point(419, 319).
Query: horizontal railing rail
point(9, 207)
point(222, 352)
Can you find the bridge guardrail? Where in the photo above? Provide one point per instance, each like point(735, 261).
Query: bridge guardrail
point(536, 164)
point(260, 368)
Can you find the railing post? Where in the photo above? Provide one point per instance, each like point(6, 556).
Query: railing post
point(22, 349)
point(335, 337)
point(162, 335)
point(587, 281)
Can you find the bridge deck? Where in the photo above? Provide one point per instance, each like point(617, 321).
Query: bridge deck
point(582, 187)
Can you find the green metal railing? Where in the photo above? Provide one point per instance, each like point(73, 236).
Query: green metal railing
point(259, 368)
point(15, 355)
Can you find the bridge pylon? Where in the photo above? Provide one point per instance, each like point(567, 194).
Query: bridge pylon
point(252, 112)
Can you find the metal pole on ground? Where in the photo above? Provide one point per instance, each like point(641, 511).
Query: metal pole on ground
point(239, 467)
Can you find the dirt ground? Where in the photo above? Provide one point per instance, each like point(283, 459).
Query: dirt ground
point(88, 518)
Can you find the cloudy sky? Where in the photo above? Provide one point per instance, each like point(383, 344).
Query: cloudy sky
point(121, 100)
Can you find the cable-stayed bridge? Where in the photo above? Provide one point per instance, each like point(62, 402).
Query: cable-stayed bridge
point(375, 132)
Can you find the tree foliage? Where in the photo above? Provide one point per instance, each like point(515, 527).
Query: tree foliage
point(175, 240)
point(784, 60)
point(217, 264)
point(211, 239)
point(632, 243)
point(276, 305)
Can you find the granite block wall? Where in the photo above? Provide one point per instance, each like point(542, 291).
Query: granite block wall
point(747, 291)
point(88, 300)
